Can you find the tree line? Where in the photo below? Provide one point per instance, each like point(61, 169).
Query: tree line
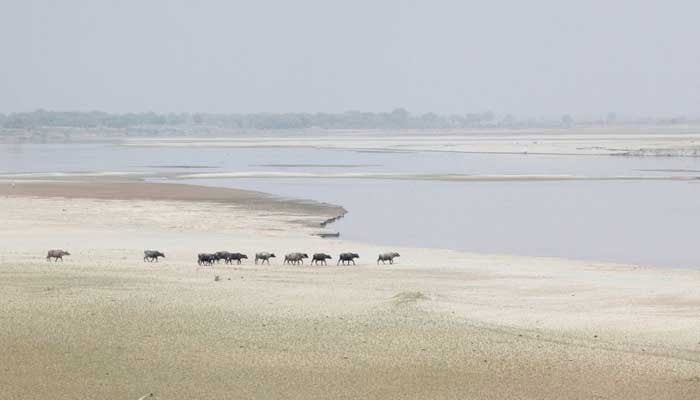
point(396, 119)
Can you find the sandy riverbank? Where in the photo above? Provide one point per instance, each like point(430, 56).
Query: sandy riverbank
point(98, 188)
point(438, 324)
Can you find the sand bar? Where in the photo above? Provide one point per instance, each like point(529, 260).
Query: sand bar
point(430, 177)
point(135, 190)
point(619, 142)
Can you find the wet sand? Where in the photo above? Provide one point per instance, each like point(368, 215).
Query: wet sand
point(437, 324)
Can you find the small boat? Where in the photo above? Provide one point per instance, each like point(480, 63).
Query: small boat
point(328, 234)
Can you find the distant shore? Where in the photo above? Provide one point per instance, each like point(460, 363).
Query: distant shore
point(632, 140)
point(584, 142)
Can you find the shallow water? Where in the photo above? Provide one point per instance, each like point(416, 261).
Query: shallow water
point(640, 222)
point(39, 158)
point(651, 223)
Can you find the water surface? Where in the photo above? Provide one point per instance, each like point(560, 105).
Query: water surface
point(639, 222)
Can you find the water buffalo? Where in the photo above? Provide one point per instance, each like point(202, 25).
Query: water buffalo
point(320, 258)
point(384, 257)
point(347, 258)
point(206, 259)
point(264, 256)
point(152, 255)
point(56, 255)
point(231, 257)
point(221, 255)
point(295, 258)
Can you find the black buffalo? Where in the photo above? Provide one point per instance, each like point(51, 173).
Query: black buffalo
point(152, 255)
point(295, 258)
point(347, 258)
point(264, 256)
point(206, 259)
point(231, 257)
point(320, 258)
point(221, 255)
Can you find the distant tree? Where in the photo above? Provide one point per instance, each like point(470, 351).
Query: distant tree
point(431, 116)
point(399, 117)
point(508, 120)
point(611, 118)
point(681, 119)
point(567, 121)
point(148, 123)
point(478, 119)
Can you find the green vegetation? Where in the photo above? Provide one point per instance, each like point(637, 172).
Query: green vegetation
point(396, 119)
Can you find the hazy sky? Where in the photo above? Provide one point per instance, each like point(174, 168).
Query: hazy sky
point(530, 58)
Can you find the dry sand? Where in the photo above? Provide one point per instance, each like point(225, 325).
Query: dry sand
point(438, 324)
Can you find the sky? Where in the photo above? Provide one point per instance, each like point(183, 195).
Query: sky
point(529, 58)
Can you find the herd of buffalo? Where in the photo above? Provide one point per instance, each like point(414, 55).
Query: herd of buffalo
point(231, 257)
point(291, 258)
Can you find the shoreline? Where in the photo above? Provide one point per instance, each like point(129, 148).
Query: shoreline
point(311, 213)
point(318, 214)
point(177, 178)
point(138, 190)
point(429, 177)
point(437, 324)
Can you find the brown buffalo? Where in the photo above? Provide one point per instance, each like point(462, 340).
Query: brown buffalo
point(56, 255)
